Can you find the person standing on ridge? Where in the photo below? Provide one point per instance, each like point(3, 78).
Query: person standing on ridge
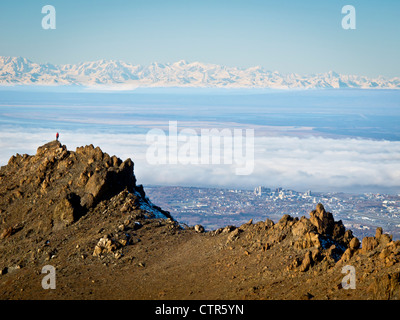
point(57, 135)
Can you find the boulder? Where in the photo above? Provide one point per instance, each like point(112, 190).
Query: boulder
point(268, 223)
point(228, 229)
point(285, 221)
point(306, 262)
point(302, 227)
point(87, 201)
point(378, 232)
point(339, 231)
point(382, 238)
point(65, 213)
point(369, 244)
point(109, 245)
point(354, 244)
point(49, 147)
point(346, 256)
point(385, 239)
point(322, 220)
point(104, 245)
point(308, 240)
point(347, 237)
point(96, 185)
point(199, 228)
point(234, 235)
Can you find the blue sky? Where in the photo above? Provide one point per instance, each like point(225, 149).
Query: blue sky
point(286, 35)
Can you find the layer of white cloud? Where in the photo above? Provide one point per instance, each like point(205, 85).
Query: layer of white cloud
point(316, 163)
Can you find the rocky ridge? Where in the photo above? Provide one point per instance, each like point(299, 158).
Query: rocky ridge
point(83, 212)
point(55, 188)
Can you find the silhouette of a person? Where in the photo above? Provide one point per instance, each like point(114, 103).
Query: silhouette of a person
point(57, 135)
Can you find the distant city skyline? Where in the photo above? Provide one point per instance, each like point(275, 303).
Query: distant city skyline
point(288, 36)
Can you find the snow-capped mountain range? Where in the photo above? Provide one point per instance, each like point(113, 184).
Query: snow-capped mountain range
point(119, 74)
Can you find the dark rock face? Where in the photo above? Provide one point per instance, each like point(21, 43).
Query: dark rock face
point(65, 213)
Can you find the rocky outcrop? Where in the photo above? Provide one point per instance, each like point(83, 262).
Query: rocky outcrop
point(66, 185)
point(318, 240)
point(321, 244)
point(327, 226)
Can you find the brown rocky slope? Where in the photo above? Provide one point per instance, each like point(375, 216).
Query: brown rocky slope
point(83, 213)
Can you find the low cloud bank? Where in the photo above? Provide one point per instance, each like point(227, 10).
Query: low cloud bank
point(316, 163)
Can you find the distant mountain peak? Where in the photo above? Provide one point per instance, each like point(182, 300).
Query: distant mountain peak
point(19, 70)
point(181, 63)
